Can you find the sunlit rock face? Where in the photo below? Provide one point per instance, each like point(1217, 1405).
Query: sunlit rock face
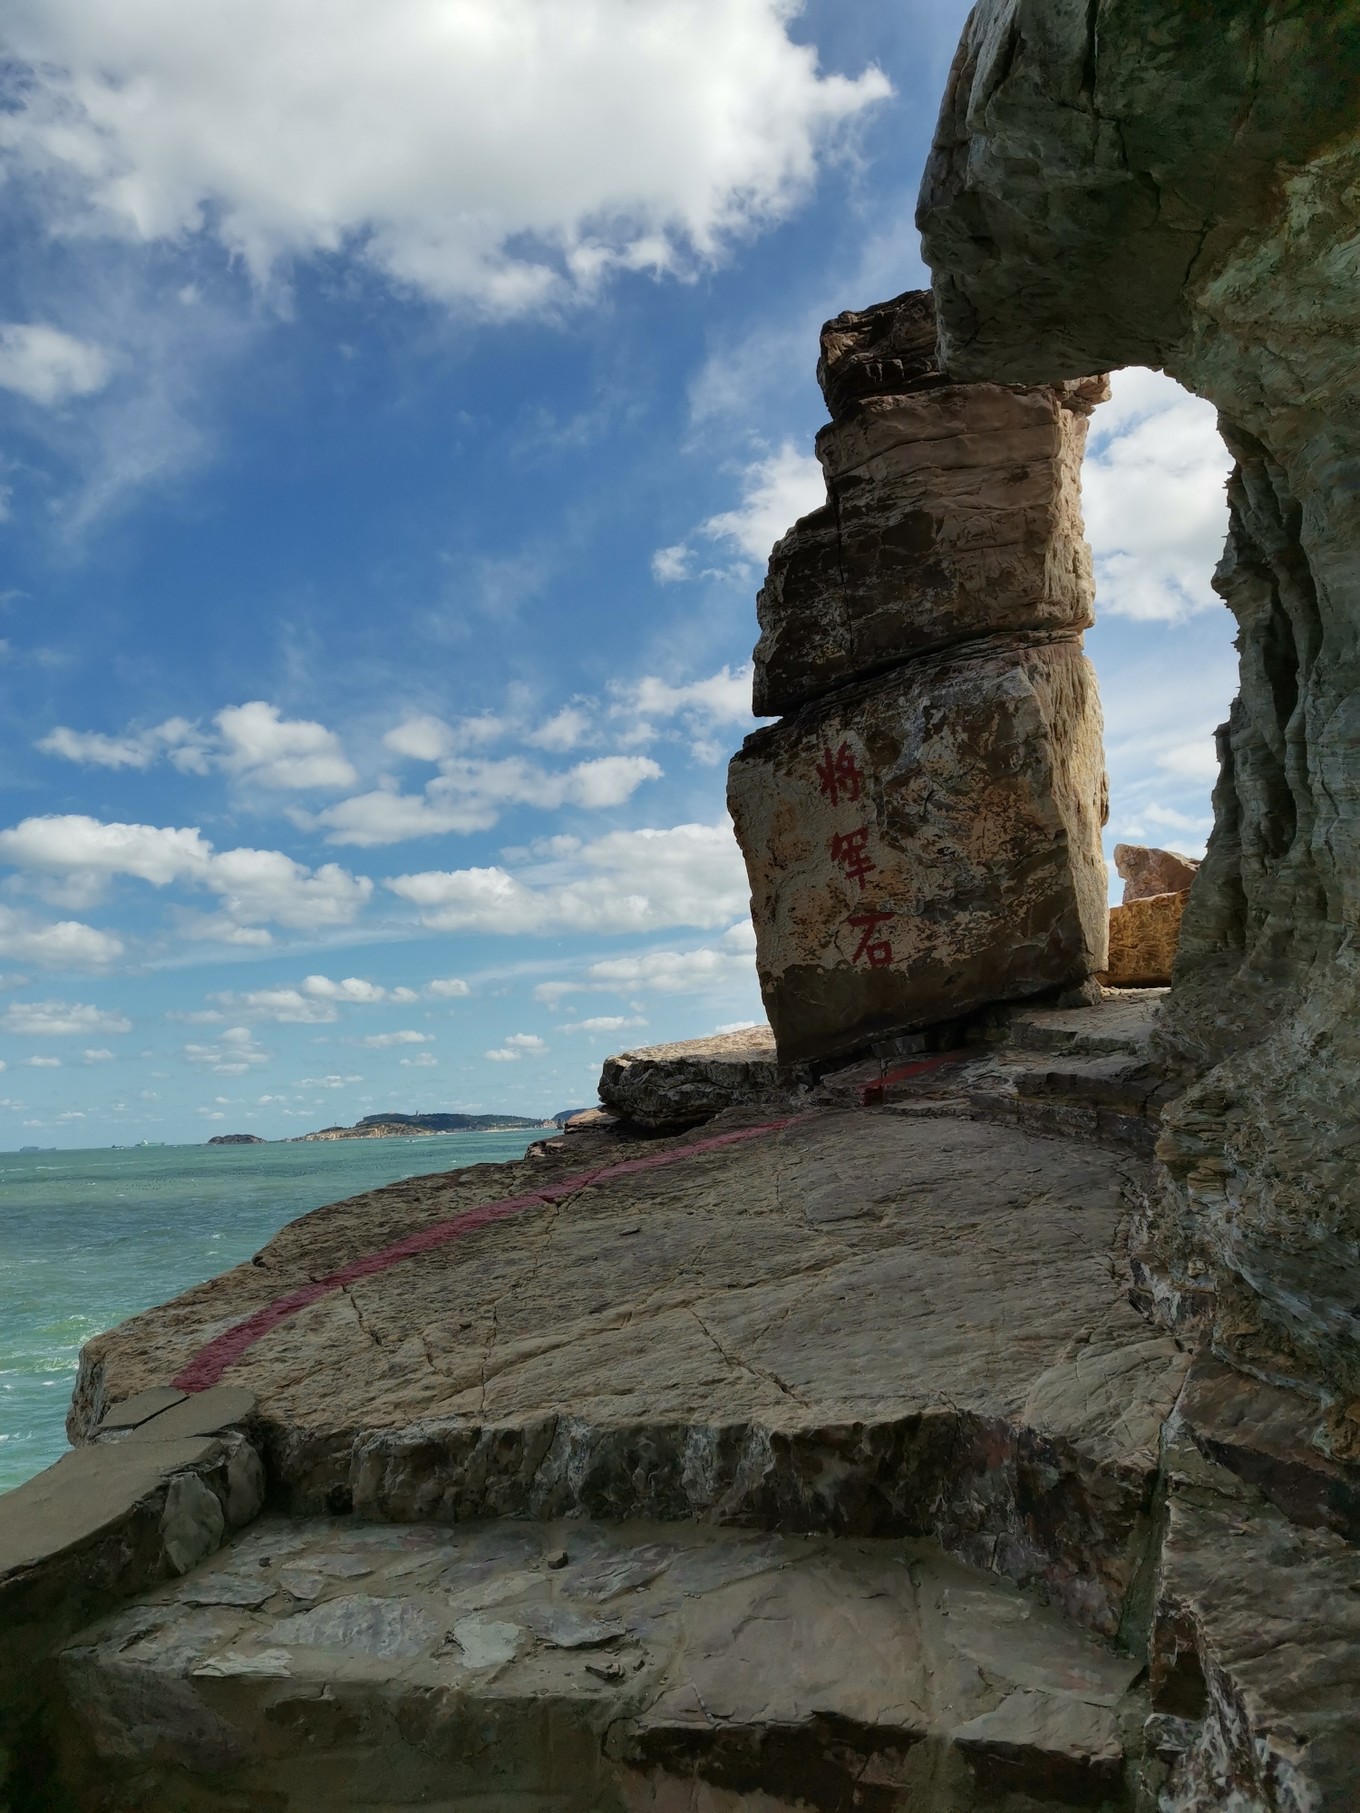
point(1142, 182)
point(922, 828)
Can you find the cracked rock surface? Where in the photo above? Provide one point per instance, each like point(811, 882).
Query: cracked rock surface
point(859, 1321)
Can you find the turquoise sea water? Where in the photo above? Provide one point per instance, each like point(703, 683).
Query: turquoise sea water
point(89, 1238)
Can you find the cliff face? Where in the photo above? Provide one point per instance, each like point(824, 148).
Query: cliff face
point(1142, 182)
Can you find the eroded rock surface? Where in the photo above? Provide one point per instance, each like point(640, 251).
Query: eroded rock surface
point(856, 1322)
point(659, 1666)
point(1174, 186)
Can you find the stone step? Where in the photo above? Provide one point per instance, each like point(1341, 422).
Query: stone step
point(577, 1667)
point(846, 1322)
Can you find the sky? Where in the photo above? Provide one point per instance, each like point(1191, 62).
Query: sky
point(397, 408)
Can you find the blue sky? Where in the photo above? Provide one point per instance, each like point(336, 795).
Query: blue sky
point(397, 405)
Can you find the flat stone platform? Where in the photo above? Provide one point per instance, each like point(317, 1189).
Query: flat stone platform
point(869, 1322)
point(577, 1668)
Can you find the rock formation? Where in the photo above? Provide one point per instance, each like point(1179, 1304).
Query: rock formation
point(1174, 186)
point(678, 1085)
point(1145, 872)
point(1144, 934)
point(922, 831)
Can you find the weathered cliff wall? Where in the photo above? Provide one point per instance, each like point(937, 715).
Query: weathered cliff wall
point(1150, 182)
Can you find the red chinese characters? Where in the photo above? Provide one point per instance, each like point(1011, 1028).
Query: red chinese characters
point(839, 774)
point(848, 852)
point(876, 952)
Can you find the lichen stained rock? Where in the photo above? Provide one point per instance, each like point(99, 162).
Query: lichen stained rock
point(924, 844)
point(1166, 185)
point(922, 830)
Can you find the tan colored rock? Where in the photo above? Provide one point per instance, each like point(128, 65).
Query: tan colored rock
point(1144, 934)
point(925, 843)
point(1145, 872)
point(677, 1085)
point(954, 511)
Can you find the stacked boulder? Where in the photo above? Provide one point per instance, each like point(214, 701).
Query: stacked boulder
point(1145, 928)
point(922, 826)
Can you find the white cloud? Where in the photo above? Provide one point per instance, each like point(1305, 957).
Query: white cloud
point(60, 1019)
point(776, 490)
point(42, 1064)
point(518, 1045)
point(384, 1041)
point(63, 944)
point(471, 795)
point(234, 1053)
point(1153, 499)
point(268, 750)
point(48, 366)
point(351, 989)
point(423, 739)
point(330, 1082)
point(447, 988)
point(97, 1056)
point(672, 564)
point(720, 700)
point(288, 1006)
point(253, 885)
point(624, 881)
point(506, 153)
point(425, 1060)
point(71, 843)
point(176, 737)
point(603, 1023)
point(561, 732)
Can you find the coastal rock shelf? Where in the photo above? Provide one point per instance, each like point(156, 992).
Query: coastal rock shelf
point(852, 1321)
point(822, 1456)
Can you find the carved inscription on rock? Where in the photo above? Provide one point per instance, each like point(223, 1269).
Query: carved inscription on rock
point(925, 843)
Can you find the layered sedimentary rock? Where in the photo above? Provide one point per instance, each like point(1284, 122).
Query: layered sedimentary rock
point(672, 1086)
point(1175, 186)
point(922, 832)
point(953, 512)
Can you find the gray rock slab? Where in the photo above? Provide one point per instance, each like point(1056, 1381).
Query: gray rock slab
point(140, 1408)
point(202, 1413)
point(856, 1322)
point(87, 1493)
point(788, 1671)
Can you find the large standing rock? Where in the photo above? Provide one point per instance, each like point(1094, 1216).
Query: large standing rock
point(1174, 185)
point(924, 843)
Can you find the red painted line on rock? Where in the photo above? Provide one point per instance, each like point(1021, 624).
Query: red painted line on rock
point(873, 1094)
point(224, 1350)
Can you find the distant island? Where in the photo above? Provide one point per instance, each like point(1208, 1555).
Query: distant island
point(420, 1126)
point(238, 1139)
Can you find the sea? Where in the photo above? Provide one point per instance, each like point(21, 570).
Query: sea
point(88, 1239)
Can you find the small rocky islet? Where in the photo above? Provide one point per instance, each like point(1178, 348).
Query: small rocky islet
point(946, 1398)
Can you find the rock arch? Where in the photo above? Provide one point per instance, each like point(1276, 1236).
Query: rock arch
point(1151, 182)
